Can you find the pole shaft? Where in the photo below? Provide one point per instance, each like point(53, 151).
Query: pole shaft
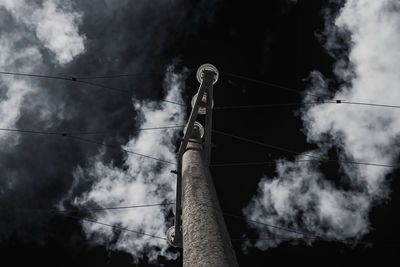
point(205, 238)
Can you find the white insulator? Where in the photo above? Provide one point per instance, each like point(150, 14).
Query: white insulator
point(199, 74)
point(203, 103)
point(171, 236)
point(199, 126)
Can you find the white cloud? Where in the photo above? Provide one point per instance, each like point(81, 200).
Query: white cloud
point(140, 181)
point(56, 27)
point(55, 24)
point(13, 90)
point(300, 196)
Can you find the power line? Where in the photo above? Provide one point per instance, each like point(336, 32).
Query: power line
point(131, 130)
point(68, 134)
point(369, 104)
point(65, 133)
point(66, 214)
point(77, 80)
point(113, 226)
point(257, 163)
point(36, 75)
point(89, 141)
point(286, 229)
point(305, 235)
point(82, 81)
point(273, 238)
point(121, 90)
point(98, 209)
point(258, 143)
point(73, 79)
point(118, 75)
point(293, 239)
point(265, 105)
point(269, 84)
point(175, 103)
point(316, 158)
point(295, 104)
point(130, 207)
point(305, 103)
point(224, 213)
point(274, 226)
point(127, 151)
point(232, 164)
point(299, 92)
point(108, 76)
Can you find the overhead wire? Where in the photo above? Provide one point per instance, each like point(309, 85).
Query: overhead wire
point(298, 153)
point(85, 208)
point(36, 75)
point(78, 80)
point(123, 149)
point(73, 79)
point(304, 103)
point(369, 104)
point(127, 130)
point(263, 105)
point(272, 238)
point(255, 163)
point(82, 81)
point(304, 235)
point(112, 226)
point(315, 158)
point(273, 226)
point(65, 133)
point(88, 141)
point(108, 76)
point(286, 229)
point(320, 101)
point(130, 207)
point(269, 84)
point(67, 214)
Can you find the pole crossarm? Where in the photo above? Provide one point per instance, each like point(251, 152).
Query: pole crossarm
point(205, 85)
point(208, 127)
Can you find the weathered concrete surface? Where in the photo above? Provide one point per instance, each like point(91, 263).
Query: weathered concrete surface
point(205, 239)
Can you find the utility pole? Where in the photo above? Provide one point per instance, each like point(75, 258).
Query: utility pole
point(199, 224)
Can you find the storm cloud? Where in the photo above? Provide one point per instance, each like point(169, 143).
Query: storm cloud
point(139, 180)
point(83, 38)
point(336, 206)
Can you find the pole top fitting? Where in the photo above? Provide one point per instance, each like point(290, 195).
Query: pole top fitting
point(209, 67)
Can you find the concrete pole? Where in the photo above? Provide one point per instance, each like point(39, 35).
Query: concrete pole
point(205, 239)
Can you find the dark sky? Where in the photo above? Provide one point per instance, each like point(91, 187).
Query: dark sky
point(273, 41)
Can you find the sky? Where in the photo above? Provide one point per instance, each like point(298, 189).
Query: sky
point(291, 54)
